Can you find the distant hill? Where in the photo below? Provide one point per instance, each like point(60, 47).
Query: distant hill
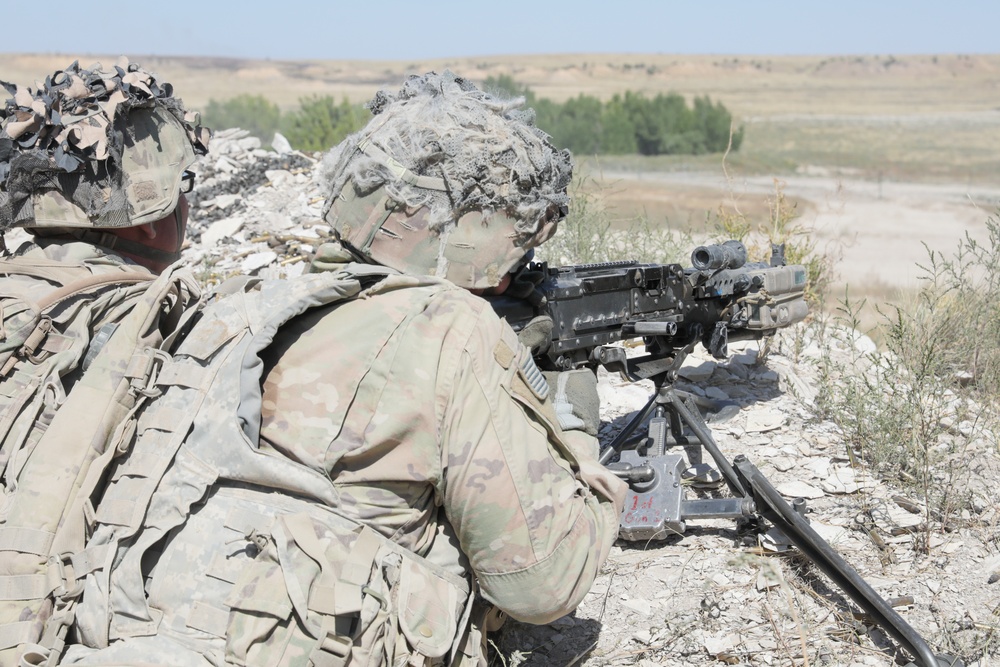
point(751, 86)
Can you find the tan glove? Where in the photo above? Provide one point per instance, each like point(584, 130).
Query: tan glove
point(575, 399)
point(536, 334)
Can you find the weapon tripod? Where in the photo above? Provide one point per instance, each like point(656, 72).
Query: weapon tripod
point(656, 507)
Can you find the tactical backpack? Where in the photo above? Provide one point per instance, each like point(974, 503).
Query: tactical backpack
point(79, 346)
point(212, 550)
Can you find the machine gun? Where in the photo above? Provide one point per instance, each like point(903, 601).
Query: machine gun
point(719, 299)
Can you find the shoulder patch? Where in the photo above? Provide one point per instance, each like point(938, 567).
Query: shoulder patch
point(533, 377)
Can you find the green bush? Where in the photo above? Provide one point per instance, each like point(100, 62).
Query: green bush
point(254, 113)
point(321, 123)
point(629, 123)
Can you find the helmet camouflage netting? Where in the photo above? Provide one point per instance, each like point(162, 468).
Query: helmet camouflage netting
point(466, 174)
point(94, 148)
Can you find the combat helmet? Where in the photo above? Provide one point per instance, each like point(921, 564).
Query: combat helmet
point(446, 180)
point(94, 148)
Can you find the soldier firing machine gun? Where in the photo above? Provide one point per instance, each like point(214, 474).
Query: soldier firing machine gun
point(719, 299)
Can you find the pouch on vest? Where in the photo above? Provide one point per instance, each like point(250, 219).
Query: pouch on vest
point(317, 592)
point(79, 349)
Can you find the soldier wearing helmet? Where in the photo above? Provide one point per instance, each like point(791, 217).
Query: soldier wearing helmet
point(93, 164)
point(449, 443)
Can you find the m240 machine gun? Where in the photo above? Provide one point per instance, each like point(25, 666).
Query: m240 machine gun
point(720, 298)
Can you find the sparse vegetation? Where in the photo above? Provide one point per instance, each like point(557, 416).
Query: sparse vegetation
point(254, 113)
point(591, 234)
point(321, 123)
point(782, 227)
point(919, 408)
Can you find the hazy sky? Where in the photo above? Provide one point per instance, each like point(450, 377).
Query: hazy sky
point(412, 29)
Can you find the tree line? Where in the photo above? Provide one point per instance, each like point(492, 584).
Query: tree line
point(628, 123)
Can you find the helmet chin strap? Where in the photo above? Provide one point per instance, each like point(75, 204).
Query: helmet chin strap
point(111, 241)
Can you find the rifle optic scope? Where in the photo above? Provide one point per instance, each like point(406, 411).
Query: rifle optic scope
point(728, 255)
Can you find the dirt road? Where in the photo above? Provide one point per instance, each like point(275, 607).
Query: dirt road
point(878, 230)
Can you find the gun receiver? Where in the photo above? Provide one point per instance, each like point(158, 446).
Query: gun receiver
point(719, 299)
point(593, 306)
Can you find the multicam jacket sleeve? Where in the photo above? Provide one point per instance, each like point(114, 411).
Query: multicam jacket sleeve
point(535, 518)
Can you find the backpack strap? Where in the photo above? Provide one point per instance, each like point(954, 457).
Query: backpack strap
point(90, 283)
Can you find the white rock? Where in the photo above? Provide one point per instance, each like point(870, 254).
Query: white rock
point(760, 421)
point(278, 177)
point(768, 377)
point(764, 581)
point(736, 369)
point(864, 344)
point(716, 393)
point(696, 371)
point(781, 463)
point(249, 143)
point(719, 644)
point(280, 144)
point(643, 636)
point(952, 547)
point(799, 489)
point(225, 201)
point(819, 467)
point(775, 540)
point(221, 229)
point(832, 534)
point(226, 166)
point(258, 260)
point(840, 480)
point(643, 607)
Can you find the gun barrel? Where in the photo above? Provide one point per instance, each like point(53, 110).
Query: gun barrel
point(729, 255)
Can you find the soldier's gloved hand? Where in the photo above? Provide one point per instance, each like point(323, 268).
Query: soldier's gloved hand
point(523, 284)
point(536, 334)
point(577, 406)
point(330, 256)
point(574, 397)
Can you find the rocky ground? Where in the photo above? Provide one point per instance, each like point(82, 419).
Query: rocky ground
point(712, 595)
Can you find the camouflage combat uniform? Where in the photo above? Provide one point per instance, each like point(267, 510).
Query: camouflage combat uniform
point(419, 404)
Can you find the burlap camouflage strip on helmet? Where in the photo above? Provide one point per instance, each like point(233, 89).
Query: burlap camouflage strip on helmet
point(69, 135)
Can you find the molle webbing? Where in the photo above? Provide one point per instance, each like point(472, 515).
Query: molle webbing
point(64, 420)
